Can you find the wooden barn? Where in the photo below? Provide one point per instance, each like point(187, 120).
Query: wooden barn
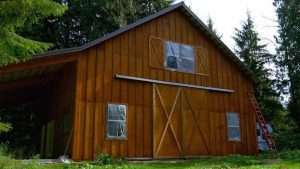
point(162, 87)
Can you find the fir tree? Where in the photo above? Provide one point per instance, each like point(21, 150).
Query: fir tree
point(288, 52)
point(14, 15)
point(86, 21)
point(211, 27)
point(255, 56)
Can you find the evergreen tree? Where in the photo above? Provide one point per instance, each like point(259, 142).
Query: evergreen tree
point(211, 27)
point(14, 15)
point(88, 20)
point(255, 56)
point(288, 57)
point(148, 7)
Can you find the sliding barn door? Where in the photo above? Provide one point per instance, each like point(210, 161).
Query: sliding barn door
point(195, 122)
point(179, 121)
point(167, 122)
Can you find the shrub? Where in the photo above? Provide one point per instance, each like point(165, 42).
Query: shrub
point(24, 135)
point(104, 159)
point(4, 150)
point(290, 155)
point(286, 132)
point(287, 140)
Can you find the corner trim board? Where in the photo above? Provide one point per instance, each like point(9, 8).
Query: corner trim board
point(214, 89)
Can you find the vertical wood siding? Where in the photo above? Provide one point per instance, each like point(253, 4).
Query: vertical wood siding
point(128, 54)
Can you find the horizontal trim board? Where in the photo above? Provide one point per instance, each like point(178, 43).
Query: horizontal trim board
point(118, 76)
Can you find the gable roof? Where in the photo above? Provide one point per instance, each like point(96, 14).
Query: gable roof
point(185, 10)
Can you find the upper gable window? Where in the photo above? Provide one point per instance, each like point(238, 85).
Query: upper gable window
point(179, 57)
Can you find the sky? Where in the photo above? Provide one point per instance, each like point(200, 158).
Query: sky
point(229, 14)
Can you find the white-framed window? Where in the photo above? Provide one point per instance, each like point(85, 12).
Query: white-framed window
point(116, 121)
point(179, 57)
point(233, 126)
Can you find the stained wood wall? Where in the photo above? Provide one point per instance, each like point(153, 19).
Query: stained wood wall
point(128, 54)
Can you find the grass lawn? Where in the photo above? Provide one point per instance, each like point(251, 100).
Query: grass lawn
point(286, 160)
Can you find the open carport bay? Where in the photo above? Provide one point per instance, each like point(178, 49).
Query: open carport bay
point(39, 104)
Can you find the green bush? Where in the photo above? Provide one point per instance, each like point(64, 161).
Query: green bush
point(287, 140)
point(23, 138)
point(104, 159)
point(286, 132)
point(4, 150)
point(290, 155)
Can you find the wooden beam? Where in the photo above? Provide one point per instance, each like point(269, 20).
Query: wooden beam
point(214, 89)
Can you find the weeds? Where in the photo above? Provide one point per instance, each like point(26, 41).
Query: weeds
point(288, 160)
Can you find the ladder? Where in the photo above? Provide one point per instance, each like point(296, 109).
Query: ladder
point(262, 124)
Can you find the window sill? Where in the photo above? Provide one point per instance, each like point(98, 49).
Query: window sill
point(234, 141)
point(116, 139)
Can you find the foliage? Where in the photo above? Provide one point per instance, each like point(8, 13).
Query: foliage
point(211, 27)
point(256, 57)
point(148, 7)
point(15, 14)
point(288, 52)
point(23, 139)
point(290, 155)
point(286, 135)
point(88, 20)
point(286, 160)
point(4, 150)
point(5, 127)
point(287, 140)
point(104, 159)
